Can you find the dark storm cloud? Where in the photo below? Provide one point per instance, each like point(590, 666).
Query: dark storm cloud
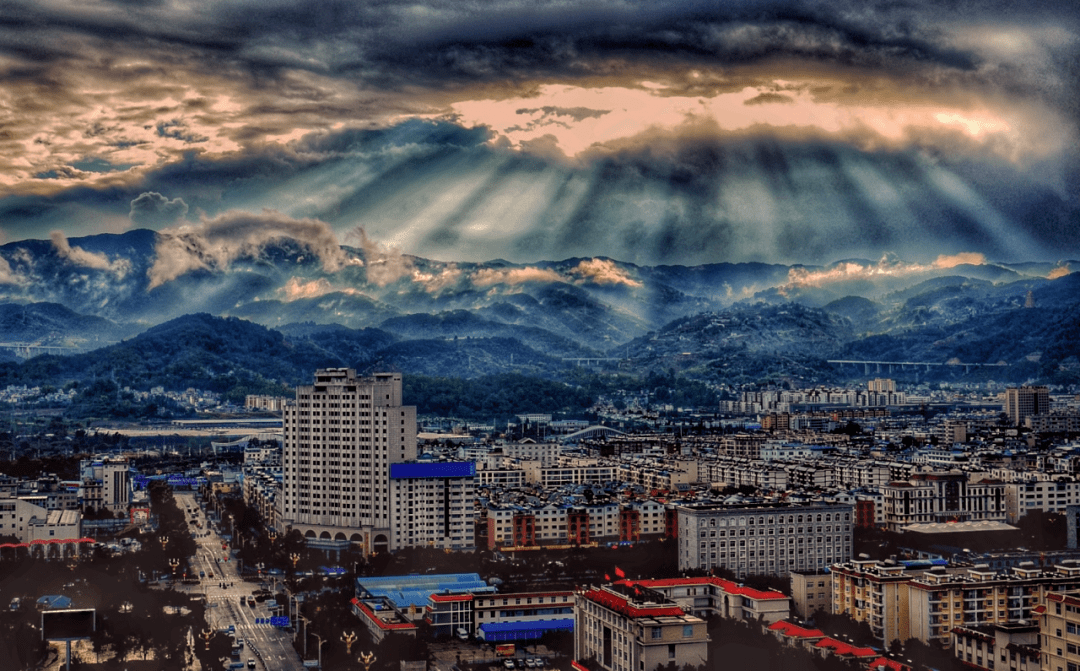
point(229, 105)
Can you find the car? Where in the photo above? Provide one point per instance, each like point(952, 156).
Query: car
point(508, 663)
point(530, 663)
point(251, 662)
point(202, 574)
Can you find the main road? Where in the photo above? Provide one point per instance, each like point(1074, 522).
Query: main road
point(269, 646)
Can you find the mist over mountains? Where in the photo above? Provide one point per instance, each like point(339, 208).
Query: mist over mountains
point(370, 307)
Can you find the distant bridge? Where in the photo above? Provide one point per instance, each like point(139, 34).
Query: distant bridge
point(595, 431)
point(29, 349)
point(586, 360)
point(903, 364)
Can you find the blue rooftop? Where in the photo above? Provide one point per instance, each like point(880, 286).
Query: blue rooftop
point(414, 590)
point(521, 631)
point(435, 469)
point(54, 601)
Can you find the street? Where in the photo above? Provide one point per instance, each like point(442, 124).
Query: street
point(270, 646)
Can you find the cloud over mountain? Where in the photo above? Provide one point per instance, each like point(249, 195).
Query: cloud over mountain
point(214, 243)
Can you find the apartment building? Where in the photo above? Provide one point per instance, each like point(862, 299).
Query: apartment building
point(1006, 646)
point(432, 504)
point(550, 524)
point(341, 435)
point(770, 539)
point(1023, 402)
point(1050, 496)
point(262, 491)
point(631, 628)
point(811, 591)
point(1059, 623)
point(927, 604)
point(105, 484)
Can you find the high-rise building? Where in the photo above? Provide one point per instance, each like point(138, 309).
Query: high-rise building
point(1022, 402)
point(341, 435)
point(881, 384)
point(106, 483)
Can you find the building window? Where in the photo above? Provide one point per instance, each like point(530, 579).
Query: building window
point(687, 630)
point(657, 632)
point(671, 651)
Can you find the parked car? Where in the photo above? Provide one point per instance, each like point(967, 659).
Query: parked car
point(508, 663)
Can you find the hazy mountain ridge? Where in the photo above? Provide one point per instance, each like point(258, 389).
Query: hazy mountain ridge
point(528, 316)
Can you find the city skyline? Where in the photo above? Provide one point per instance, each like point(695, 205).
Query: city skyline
point(783, 132)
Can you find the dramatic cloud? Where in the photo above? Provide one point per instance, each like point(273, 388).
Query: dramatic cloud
point(296, 288)
point(888, 266)
point(1060, 271)
point(6, 275)
point(487, 277)
point(788, 130)
point(603, 271)
point(81, 257)
point(384, 266)
point(215, 243)
point(965, 258)
point(151, 208)
point(433, 283)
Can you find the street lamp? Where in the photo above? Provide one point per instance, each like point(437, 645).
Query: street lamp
point(367, 659)
point(348, 639)
point(320, 648)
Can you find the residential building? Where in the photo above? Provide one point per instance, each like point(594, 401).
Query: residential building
point(770, 539)
point(432, 503)
point(1049, 496)
point(341, 435)
point(996, 647)
point(105, 484)
point(811, 591)
point(1023, 402)
point(1059, 623)
point(899, 604)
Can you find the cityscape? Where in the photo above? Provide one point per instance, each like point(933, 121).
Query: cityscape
point(491, 336)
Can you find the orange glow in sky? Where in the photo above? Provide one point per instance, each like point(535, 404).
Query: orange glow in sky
point(578, 119)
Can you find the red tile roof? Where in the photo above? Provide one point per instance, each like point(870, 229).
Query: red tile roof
point(377, 620)
point(620, 604)
point(726, 585)
point(846, 649)
point(883, 663)
point(795, 631)
point(440, 598)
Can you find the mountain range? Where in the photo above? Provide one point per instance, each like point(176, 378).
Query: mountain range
point(266, 310)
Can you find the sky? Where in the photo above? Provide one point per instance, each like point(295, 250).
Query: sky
point(653, 133)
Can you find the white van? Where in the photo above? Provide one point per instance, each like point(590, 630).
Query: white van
point(463, 633)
